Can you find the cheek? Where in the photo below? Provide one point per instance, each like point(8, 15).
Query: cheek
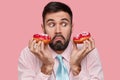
point(67, 33)
point(49, 32)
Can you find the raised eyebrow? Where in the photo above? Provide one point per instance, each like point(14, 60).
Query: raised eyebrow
point(49, 20)
point(65, 19)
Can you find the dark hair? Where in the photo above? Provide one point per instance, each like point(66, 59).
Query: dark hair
point(52, 7)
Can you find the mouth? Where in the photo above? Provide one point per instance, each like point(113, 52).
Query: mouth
point(58, 38)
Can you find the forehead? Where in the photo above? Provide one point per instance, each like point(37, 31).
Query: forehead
point(57, 16)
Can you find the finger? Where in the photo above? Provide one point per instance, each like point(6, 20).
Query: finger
point(89, 41)
point(42, 46)
point(33, 44)
point(75, 73)
point(36, 50)
point(89, 48)
point(74, 45)
point(85, 49)
point(89, 45)
point(39, 44)
point(92, 42)
point(29, 44)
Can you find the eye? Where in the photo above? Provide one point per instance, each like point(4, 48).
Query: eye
point(51, 24)
point(64, 24)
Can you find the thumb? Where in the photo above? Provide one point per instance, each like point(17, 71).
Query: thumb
point(74, 45)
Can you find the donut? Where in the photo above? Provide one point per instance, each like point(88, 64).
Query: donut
point(81, 37)
point(42, 37)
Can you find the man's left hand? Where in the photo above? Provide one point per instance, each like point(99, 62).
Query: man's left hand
point(78, 55)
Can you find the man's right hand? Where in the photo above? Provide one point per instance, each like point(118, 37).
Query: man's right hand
point(41, 51)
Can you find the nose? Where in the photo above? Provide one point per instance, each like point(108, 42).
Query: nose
point(58, 29)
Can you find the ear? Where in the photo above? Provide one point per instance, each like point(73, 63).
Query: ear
point(43, 28)
point(72, 26)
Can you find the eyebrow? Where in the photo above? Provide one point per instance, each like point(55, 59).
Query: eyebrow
point(63, 19)
point(50, 20)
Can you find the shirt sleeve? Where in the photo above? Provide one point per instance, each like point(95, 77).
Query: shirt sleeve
point(93, 68)
point(26, 67)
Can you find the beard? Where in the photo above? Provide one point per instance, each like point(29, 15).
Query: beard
point(59, 45)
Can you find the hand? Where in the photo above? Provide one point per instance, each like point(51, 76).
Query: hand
point(41, 51)
point(78, 55)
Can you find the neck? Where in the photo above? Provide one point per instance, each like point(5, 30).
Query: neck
point(59, 52)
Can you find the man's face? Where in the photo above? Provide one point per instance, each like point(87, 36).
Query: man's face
point(59, 27)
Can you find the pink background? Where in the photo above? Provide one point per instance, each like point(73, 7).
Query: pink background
point(20, 19)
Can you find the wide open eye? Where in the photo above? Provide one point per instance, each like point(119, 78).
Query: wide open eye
point(64, 24)
point(51, 24)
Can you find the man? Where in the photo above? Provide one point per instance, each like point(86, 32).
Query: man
point(61, 59)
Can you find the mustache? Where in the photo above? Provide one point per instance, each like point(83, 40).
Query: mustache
point(58, 35)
